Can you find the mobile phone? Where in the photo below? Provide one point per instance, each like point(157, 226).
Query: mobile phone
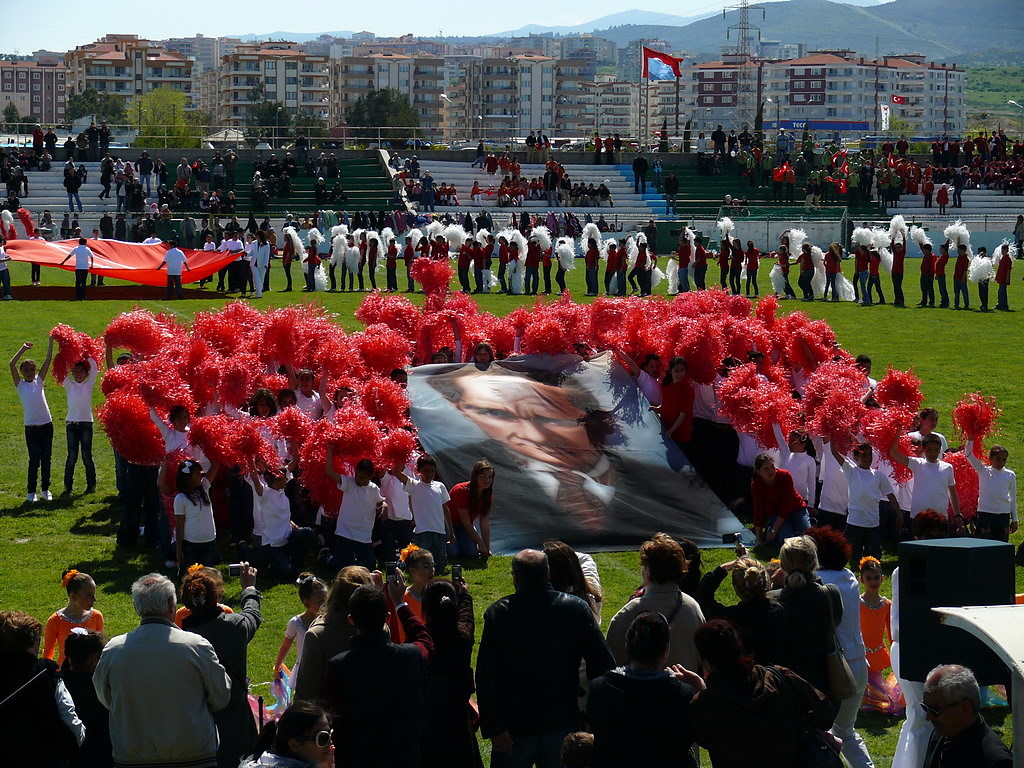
point(234, 570)
point(390, 568)
point(730, 538)
point(456, 572)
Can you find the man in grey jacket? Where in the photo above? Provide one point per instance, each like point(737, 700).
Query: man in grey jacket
point(162, 686)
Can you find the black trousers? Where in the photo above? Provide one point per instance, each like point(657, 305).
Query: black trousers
point(81, 281)
point(39, 441)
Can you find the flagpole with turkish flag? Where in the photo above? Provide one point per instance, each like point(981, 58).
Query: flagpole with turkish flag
point(659, 66)
point(897, 99)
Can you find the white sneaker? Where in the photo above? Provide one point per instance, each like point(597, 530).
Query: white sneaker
point(47, 496)
point(30, 497)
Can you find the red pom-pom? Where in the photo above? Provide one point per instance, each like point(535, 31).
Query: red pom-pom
point(753, 404)
point(339, 357)
point(280, 338)
point(357, 436)
point(396, 448)
point(768, 310)
point(292, 425)
point(385, 401)
point(975, 417)
point(239, 378)
point(899, 389)
point(967, 486)
point(382, 349)
point(833, 402)
point(125, 419)
point(27, 223)
point(200, 367)
point(702, 347)
point(547, 336)
point(434, 276)
point(217, 437)
point(73, 347)
point(138, 331)
point(396, 312)
point(808, 343)
point(312, 460)
point(883, 425)
point(220, 332)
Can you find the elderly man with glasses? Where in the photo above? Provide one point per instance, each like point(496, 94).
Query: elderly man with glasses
point(961, 737)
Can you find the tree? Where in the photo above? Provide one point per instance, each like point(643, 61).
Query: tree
point(385, 107)
point(12, 118)
point(269, 114)
point(106, 107)
point(161, 119)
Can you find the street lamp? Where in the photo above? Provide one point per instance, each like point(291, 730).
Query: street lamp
point(778, 126)
point(1021, 108)
point(277, 127)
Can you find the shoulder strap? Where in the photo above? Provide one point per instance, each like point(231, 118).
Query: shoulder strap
point(828, 599)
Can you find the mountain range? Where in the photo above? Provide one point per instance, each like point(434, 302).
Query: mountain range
point(942, 30)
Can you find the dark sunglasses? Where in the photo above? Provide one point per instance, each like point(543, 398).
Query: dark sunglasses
point(320, 738)
point(930, 710)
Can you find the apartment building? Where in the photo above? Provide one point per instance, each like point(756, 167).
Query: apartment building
point(835, 91)
point(420, 78)
point(272, 71)
point(36, 88)
point(126, 65)
point(206, 51)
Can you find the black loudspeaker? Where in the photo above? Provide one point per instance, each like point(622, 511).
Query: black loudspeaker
point(950, 573)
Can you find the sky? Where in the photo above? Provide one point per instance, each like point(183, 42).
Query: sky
point(65, 24)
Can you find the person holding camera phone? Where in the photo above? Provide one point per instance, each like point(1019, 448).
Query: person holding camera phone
point(363, 681)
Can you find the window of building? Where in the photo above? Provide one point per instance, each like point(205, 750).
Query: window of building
point(270, 65)
point(291, 95)
point(271, 81)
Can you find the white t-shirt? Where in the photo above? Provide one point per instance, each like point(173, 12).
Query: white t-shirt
point(834, 496)
point(866, 486)
point(296, 632)
point(997, 488)
point(33, 402)
point(358, 510)
point(153, 240)
point(80, 395)
point(173, 438)
point(175, 259)
point(4, 258)
point(427, 501)
point(83, 255)
point(398, 499)
point(311, 406)
point(232, 245)
point(199, 525)
point(800, 465)
point(277, 517)
point(931, 485)
point(210, 246)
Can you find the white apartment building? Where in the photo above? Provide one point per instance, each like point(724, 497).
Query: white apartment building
point(281, 72)
point(126, 65)
point(420, 78)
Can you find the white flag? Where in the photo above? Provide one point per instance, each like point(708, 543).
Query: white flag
point(885, 116)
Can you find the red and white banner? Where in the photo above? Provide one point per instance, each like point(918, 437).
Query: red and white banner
point(133, 262)
point(897, 99)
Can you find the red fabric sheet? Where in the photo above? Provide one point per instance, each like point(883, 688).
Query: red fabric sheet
point(133, 262)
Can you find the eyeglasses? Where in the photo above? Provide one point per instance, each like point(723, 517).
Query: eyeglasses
point(320, 738)
point(933, 711)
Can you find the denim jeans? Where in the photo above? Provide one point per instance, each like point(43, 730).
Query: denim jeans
point(437, 543)
point(141, 507)
point(79, 434)
point(532, 280)
point(72, 199)
point(463, 546)
point(286, 562)
point(39, 440)
point(943, 291)
point(699, 276)
point(395, 536)
point(346, 551)
point(960, 289)
point(794, 525)
point(174, 287)
point(5, 281)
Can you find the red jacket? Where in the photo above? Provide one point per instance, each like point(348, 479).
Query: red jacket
point(752, 258)
point(590, 258)
point(927, 264)
point(780, 499)
point(960, 268)
point(940, 262)
point(1003, 270)
point(899, 252)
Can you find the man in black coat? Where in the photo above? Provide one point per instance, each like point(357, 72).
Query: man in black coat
point(375, 688)
point(640, 173)
point(671, 191)
point(528, 666)
point(961, 737)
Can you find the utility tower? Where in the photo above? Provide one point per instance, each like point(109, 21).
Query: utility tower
point(747, 36)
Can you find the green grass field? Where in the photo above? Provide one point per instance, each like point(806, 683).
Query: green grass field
point(952, 352)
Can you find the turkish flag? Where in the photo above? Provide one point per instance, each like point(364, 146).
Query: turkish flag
point(898, 99)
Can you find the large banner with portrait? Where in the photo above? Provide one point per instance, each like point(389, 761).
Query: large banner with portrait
point(577, 452)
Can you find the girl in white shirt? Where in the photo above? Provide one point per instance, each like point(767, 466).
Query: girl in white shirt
point(196, 531)
point(79, 387)
point(5, 273)
point(313, 594)
point(38, 424)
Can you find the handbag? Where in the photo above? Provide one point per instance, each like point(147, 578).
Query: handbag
point(841, 682)
point(818, 748)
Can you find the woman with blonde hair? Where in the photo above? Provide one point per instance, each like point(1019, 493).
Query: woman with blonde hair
point(809, 636)
point(760, 620)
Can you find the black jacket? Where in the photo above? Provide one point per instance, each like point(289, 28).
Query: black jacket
point(375, 695)
point(630, 713)
point(762, 623)
point(977, 747)
point(640, 165)
point(527, 673)
point(671, 185)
